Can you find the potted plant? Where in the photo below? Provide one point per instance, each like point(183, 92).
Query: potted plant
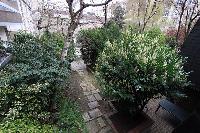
point(138, 68)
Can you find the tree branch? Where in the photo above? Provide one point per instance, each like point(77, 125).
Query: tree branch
point(92, 5)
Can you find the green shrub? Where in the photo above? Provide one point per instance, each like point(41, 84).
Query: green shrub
point(156, 33)
point(139, 67)
point(70, 119)
point(55, 39)
point(171, 41)
point(26, 125)
point(93, 41)
point(71, 56)
point(29, 83)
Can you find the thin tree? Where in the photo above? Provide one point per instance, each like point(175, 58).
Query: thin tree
point(75, 16)
point(144, 11)
point(188, 12)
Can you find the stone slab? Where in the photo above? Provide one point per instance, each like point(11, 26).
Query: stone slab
point(87, 93)
point(92, 126)
point(95, 113)
point(106, 130)
point(98, 97)
point(83, 86)
point(91, 98)
point(86, 117)
point(101, 122)
point(93, 105)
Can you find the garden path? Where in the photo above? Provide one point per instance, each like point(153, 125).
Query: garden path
point(90, 100)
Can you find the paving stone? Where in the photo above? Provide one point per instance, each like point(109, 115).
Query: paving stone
point(101, 122)
point(80, 73)
point(92, 87)
point(93, 105)
point(98, 97)
point(95, 91)
point(83, 86)
point(86, 117)
point(86, 93)
point(91, 98)
point(95, 113)
point(106, 130)
point(92, 126)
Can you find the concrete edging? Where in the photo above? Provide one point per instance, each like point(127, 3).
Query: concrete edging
point(5, 60)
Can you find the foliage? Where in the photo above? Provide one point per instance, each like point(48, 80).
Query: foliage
point(171, 41)
point(171, 33)
point(26, 125)
point(93, 41)
point(28, 85)
point(55, 39)
point(70, 119)
point(71, 56)
point(32, 86)
point(156, 33)
point(139, 67)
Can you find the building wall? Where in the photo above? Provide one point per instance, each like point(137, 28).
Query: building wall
point(26, 7)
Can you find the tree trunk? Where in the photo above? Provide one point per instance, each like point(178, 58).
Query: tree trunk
point(68, 40)
point(180, 19)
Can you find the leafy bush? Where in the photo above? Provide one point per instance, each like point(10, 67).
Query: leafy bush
point(156, 33)
point(70, 119)
point(171, 33)
point(55, 39)
point(26, 125)
point(171, 41)
point(93, 41)
point(71, 56)
point(29, 84)
point(139, 67)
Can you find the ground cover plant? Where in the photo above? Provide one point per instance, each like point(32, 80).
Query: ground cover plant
point(138, 68)
point(93, 41)
point(32, 87)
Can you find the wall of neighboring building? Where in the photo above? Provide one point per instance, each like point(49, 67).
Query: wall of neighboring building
point(3, 34)
point(26, 13)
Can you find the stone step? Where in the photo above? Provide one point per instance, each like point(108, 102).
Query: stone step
point(93, 105)
point(95, 113)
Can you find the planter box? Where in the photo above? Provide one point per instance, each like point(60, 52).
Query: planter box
point(126, 123)
point(5, 59)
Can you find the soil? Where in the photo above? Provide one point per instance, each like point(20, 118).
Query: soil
point(124, 123)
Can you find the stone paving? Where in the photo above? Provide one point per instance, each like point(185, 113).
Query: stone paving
point(163, 121)
point(95, 120)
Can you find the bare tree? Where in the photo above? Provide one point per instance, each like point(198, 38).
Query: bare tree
point(153, 10)
point(75, 16)
point(48, 18)
point(144, 11)
point(188, 12)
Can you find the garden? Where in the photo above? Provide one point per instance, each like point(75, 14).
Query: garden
point(126, 63)
point(130, 68)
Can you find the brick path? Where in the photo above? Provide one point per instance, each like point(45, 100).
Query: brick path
point(95, 120)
